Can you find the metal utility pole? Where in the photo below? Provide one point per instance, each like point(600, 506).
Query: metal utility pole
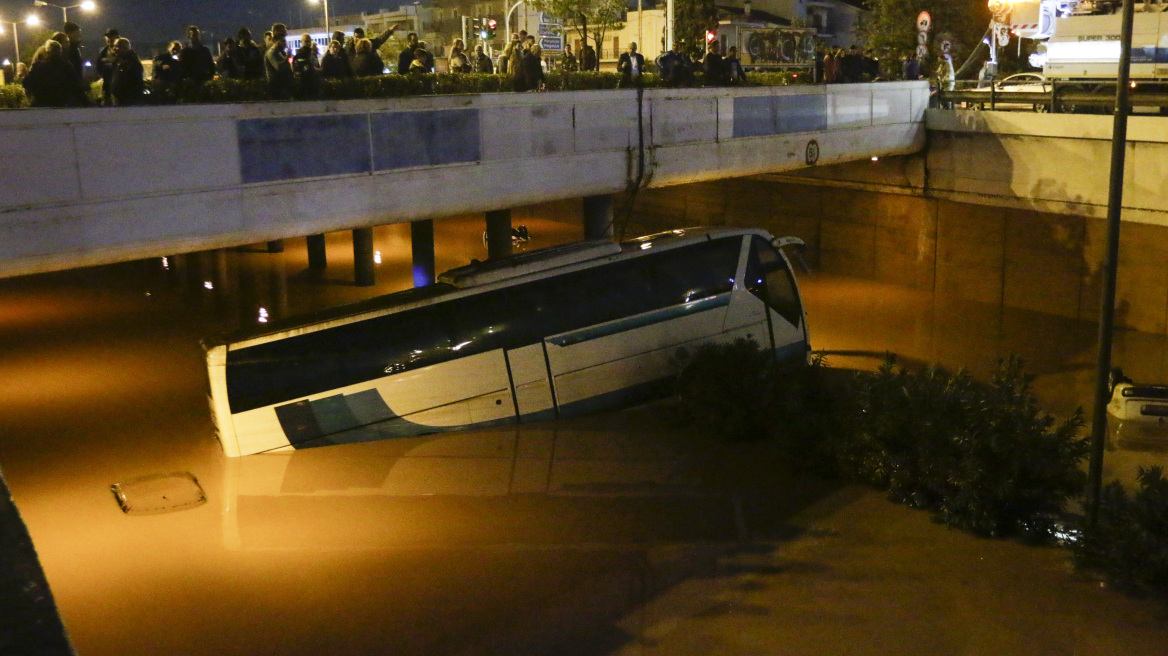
point(1110, 267)
point(668, 25)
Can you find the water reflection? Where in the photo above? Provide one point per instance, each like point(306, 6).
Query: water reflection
point(540, 484)
point(602, 535)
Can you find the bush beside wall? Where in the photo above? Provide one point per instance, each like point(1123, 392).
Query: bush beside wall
point(981, 457)
point(12, 96)
point(1129, 545)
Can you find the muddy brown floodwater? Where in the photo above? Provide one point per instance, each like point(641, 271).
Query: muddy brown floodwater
point(621, 533)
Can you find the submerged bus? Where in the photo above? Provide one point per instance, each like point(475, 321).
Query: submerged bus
point(549, 333)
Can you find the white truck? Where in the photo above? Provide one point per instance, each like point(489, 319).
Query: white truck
point(1080, 39)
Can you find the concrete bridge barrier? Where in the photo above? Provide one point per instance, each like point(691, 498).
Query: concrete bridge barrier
point(92, 186)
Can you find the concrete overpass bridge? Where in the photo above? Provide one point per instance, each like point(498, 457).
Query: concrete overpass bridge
point(91, 186)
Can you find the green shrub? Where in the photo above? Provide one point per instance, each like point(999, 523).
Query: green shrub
point(1129, 544)
point(12, 96)
point(740, 392)
point(984, 458)
point(728, 389)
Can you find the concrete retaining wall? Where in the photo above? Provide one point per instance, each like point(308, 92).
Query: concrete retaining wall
point(93, 186)
point(1047, 162)
point(1007, 256)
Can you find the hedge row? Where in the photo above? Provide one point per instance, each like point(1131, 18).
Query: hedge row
point(393, 86)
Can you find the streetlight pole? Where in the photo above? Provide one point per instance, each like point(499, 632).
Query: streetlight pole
point(15, 41)
point(326, 15)
point(88, 5)
point(31, 20)
point(1103, 390)
point(507, 21)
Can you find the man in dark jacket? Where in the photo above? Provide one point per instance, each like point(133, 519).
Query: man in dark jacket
point(73, 53)
point(249, 55)
point(198, 66)
point(631, 65)
point(306, 67)
point(227, 63)
point(166, 74)
point(714, 67)
point(126, 83)
point(407, 56)
point(588, 58)
point(105, 64)
point(852, 66)
point(482, 63)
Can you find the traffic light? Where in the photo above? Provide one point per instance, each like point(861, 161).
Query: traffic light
point(710, 36)
point(491, 25)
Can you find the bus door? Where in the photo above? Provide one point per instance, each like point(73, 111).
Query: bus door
point(746, 317)
point(530, 384)
point(768, 277)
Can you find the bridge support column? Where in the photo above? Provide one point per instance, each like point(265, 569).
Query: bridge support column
point(422, 246)
point(598, 217)
point(363, 272)
point(278, 282)
point(498, 234)
point(317, 259)
point(276, 246)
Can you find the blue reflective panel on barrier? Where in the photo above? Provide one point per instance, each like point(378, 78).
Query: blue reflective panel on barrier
point(303, 147)
point(425, 138)
point(806, 113)
point(753, 116)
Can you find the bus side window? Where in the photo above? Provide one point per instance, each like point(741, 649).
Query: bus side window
point(694, 272)
point(602, 294)
point(768, 278)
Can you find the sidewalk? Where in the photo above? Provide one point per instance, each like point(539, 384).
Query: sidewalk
point(29, 623)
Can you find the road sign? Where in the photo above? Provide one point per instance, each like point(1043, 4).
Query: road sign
point(922, 52)
point(924, 21)
point(1002, 34)
point(946, 46)
point(551, 43)
point(922, 38)
point(548, 29)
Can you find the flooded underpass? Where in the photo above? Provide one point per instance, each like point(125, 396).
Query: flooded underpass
point(621, 533)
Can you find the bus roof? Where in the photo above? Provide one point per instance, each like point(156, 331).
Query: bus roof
point(474, 275)
point(552, 257)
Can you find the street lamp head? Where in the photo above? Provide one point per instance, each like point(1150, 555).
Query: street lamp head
point(33, 20)
point(88, 5)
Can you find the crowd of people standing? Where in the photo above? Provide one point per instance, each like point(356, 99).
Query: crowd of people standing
point(54, 78)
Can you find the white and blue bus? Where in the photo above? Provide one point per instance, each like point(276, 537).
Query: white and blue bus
point(549, 333)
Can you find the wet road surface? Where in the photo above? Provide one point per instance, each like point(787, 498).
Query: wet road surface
point(617, 534)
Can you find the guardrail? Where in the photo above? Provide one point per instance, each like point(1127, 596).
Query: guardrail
point(1055, 97)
